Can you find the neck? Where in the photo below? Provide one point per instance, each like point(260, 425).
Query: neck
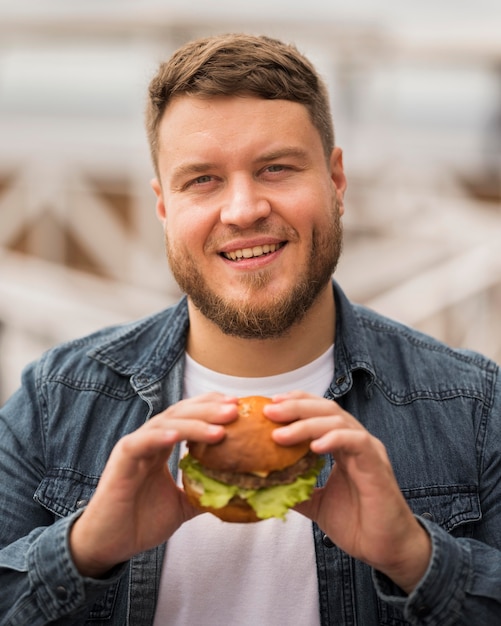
point(251, 358)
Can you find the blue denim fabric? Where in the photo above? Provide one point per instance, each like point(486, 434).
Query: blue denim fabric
point(437, 410)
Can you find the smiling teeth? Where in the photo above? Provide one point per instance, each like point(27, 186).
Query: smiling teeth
point(248, 253)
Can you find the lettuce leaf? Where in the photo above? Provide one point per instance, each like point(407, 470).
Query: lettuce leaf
point(267, 502)
point(276, 501)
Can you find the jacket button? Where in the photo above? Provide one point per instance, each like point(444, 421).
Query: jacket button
point(427, 515)
point(82, 503)
point(423, 610)
point(61, 592)
point(340, 380)
point(327, 541)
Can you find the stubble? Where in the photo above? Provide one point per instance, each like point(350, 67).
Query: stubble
point(245, 317)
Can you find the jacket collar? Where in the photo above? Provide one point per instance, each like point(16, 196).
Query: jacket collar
point(147, 349)
point(351, 349)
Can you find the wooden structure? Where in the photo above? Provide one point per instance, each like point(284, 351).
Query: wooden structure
point(80, 246)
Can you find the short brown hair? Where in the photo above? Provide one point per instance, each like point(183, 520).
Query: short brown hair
point(239, 64)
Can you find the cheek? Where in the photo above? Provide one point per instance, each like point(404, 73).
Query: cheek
point(312, 211)
point(187, 230)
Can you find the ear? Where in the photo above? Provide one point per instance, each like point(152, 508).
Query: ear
point(160, 206)
point(338, 177)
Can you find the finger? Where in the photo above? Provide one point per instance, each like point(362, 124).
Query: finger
point(297, 406)
point(145, 443)
point(315, 428)
point(360, 455)
point(216, 408)
point(211, 396)
point(346, 441)
point(293, 394)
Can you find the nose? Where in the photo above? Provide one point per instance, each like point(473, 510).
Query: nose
point(244, 204)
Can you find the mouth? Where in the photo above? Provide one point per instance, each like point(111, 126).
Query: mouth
point(250, 253)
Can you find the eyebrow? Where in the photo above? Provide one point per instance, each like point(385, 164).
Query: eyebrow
point(188, 169)
point(281, 153)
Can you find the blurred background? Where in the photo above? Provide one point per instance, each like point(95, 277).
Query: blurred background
point(416, 93)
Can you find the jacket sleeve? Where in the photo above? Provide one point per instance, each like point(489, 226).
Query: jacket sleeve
point(463, 582)
point(38, 580)
point(461, 586)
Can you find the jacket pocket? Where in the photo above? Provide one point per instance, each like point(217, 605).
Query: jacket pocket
point(455, 508)
point(62, 492)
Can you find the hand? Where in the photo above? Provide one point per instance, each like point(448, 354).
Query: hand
point(137, 504)
point(361, 507)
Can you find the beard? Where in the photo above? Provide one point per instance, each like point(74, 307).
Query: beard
point(246, 318)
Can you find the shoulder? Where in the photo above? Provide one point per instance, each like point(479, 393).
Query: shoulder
point(391, 332)
point(405, 358)
point(124, 349)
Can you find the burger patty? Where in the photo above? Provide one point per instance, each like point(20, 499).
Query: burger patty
point(279, 477)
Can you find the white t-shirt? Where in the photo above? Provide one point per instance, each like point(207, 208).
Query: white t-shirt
point(216, 573)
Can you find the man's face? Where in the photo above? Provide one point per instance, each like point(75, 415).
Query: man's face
point(251, 210)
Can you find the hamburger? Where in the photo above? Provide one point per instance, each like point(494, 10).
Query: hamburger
point(247, 477)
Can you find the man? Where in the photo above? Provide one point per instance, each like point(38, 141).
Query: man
point(405, 526)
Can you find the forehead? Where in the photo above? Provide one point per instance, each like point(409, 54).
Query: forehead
point(232, 122)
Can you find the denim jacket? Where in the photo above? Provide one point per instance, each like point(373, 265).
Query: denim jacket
point(438, 411)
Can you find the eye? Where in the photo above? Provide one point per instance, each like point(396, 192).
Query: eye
point(200, 183)
point(202, 180)
point(276, 167)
